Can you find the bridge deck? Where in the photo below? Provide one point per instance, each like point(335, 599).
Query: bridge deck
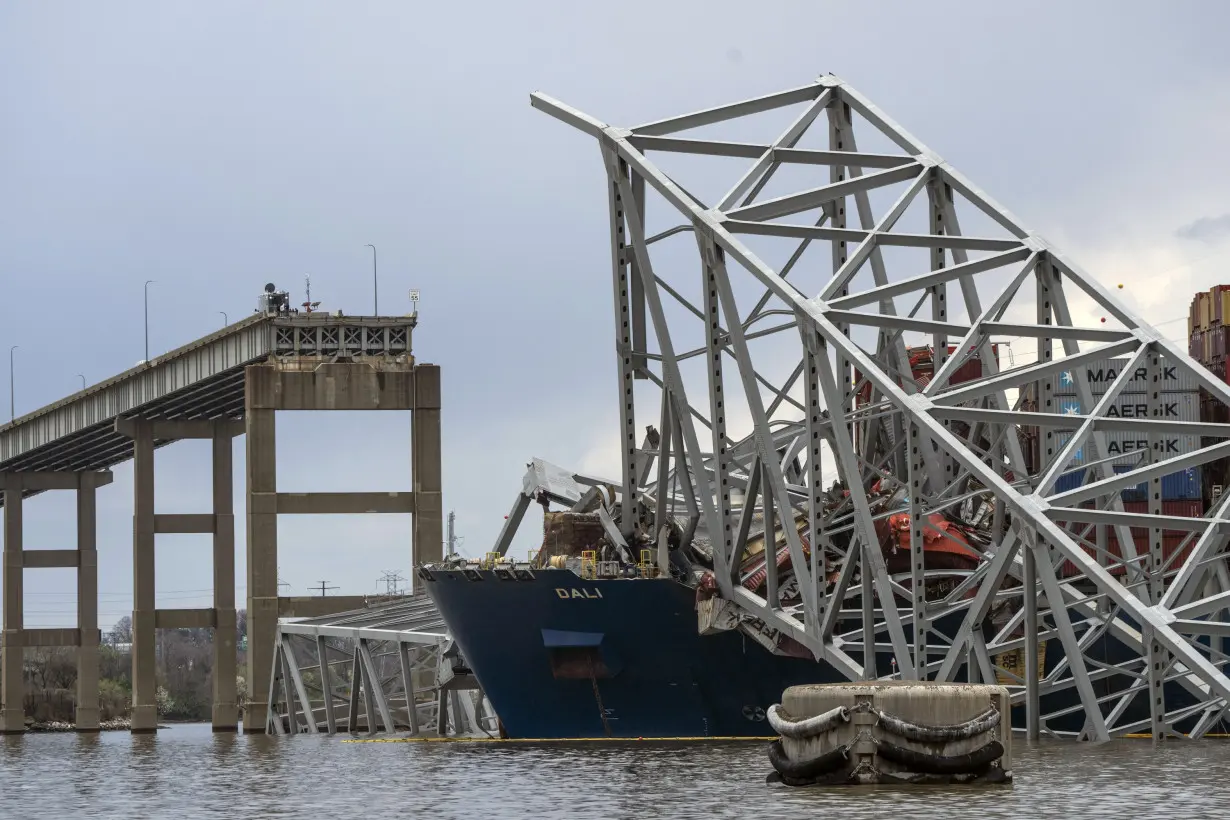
point(201, 380)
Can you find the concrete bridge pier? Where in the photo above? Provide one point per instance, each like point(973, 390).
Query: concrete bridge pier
point(17, 560)
point(146, 617)
point(378, 382)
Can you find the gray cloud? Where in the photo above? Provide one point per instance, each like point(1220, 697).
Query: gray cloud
point(1206, 229)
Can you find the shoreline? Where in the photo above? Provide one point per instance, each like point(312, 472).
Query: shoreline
point(116, 725)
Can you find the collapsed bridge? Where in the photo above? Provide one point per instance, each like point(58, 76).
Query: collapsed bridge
point(817, 340)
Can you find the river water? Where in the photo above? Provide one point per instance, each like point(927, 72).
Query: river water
point(186, 773)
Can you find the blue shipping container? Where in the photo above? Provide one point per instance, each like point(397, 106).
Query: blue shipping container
point(1184, 485)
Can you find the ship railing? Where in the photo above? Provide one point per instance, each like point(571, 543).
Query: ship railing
point(647, 568)
point(492, 559)
point(589, 564)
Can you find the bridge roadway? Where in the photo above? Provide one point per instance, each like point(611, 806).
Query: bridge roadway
point(225, 384)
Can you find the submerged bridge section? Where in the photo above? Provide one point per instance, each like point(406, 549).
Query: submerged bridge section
point(229, 383)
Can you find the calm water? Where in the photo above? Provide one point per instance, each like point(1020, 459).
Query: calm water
point(187, 773)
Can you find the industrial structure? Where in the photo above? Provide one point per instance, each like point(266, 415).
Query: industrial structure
point(769, 294)
point(229, 383)
point(389, 668)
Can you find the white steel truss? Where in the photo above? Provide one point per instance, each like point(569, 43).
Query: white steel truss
point(770, 337)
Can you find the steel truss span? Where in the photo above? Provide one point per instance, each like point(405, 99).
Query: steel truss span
point(778, 264)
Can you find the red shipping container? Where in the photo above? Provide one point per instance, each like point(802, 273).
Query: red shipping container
point(1170, 538)
point(1170, 562)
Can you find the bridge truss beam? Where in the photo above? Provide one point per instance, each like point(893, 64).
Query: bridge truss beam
point(792, 366)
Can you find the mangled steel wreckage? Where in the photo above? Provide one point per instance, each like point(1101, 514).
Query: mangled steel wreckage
point(958, 509)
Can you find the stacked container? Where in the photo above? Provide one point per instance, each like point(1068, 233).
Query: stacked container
point(1180, 402)
point(1208, 328)
point(1208, 321)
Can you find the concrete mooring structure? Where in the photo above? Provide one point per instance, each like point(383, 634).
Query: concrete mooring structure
point(227, 384)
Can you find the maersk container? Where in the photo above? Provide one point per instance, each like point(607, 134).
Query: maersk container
point(1126, 447)
point(1181, 486)
point(1171, 406)
point(1103, 372)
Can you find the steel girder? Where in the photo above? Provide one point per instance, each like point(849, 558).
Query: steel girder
point(776, 365)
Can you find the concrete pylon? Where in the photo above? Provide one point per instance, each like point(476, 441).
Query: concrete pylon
point(365, 383)
point(147, 619)
point(16, 637)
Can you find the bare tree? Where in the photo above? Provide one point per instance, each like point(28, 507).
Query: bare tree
point(122, 631)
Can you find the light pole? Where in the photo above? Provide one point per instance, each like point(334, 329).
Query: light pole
point(82, 377)
point(375, 287)
point(12, 395)
point(148, 282)
point(225, 321)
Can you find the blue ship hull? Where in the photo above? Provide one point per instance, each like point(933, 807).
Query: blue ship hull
point(564, 657)
point(532, 644)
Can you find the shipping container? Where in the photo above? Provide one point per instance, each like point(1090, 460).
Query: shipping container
point(1179, 508)
point(1171, 544)
point(1184, 484)
point(1195, 347)
point(1181, 485)
point(1103, 372)
point(1171, 539)
point(1213, 343)
point(1171, 406)
point(1127, 447)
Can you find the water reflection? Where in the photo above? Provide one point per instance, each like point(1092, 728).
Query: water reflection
point(187, 772)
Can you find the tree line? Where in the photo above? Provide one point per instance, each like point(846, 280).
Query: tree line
point(183, 669)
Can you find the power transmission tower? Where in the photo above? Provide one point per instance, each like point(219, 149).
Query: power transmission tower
point(323, 588)
point(391, 579)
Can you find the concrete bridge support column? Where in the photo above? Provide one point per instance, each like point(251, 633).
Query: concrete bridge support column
point(378, 383)
point(428, 541)
point(86, 719)
point(147, 619)
point(12, 656)
point(226, 706)
point(144, 635)
point(85, 637)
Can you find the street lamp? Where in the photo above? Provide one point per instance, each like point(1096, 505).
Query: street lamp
point(225, 321)
point(12, 395)
point(82, 377)
point(148, 282)
point(375, 289)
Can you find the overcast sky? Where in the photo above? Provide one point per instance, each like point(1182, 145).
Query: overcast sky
point(214, 147)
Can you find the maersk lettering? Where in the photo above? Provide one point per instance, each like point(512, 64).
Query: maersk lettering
point(578, 593)
point(1114, 448)
point(1141, 411)
point(1109, 374)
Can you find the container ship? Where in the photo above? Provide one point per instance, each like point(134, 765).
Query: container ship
point(572, 644)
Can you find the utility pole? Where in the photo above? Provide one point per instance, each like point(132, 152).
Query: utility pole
point(323, 588)
point(148, 282)
point(12, 394)
point(375, 287)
